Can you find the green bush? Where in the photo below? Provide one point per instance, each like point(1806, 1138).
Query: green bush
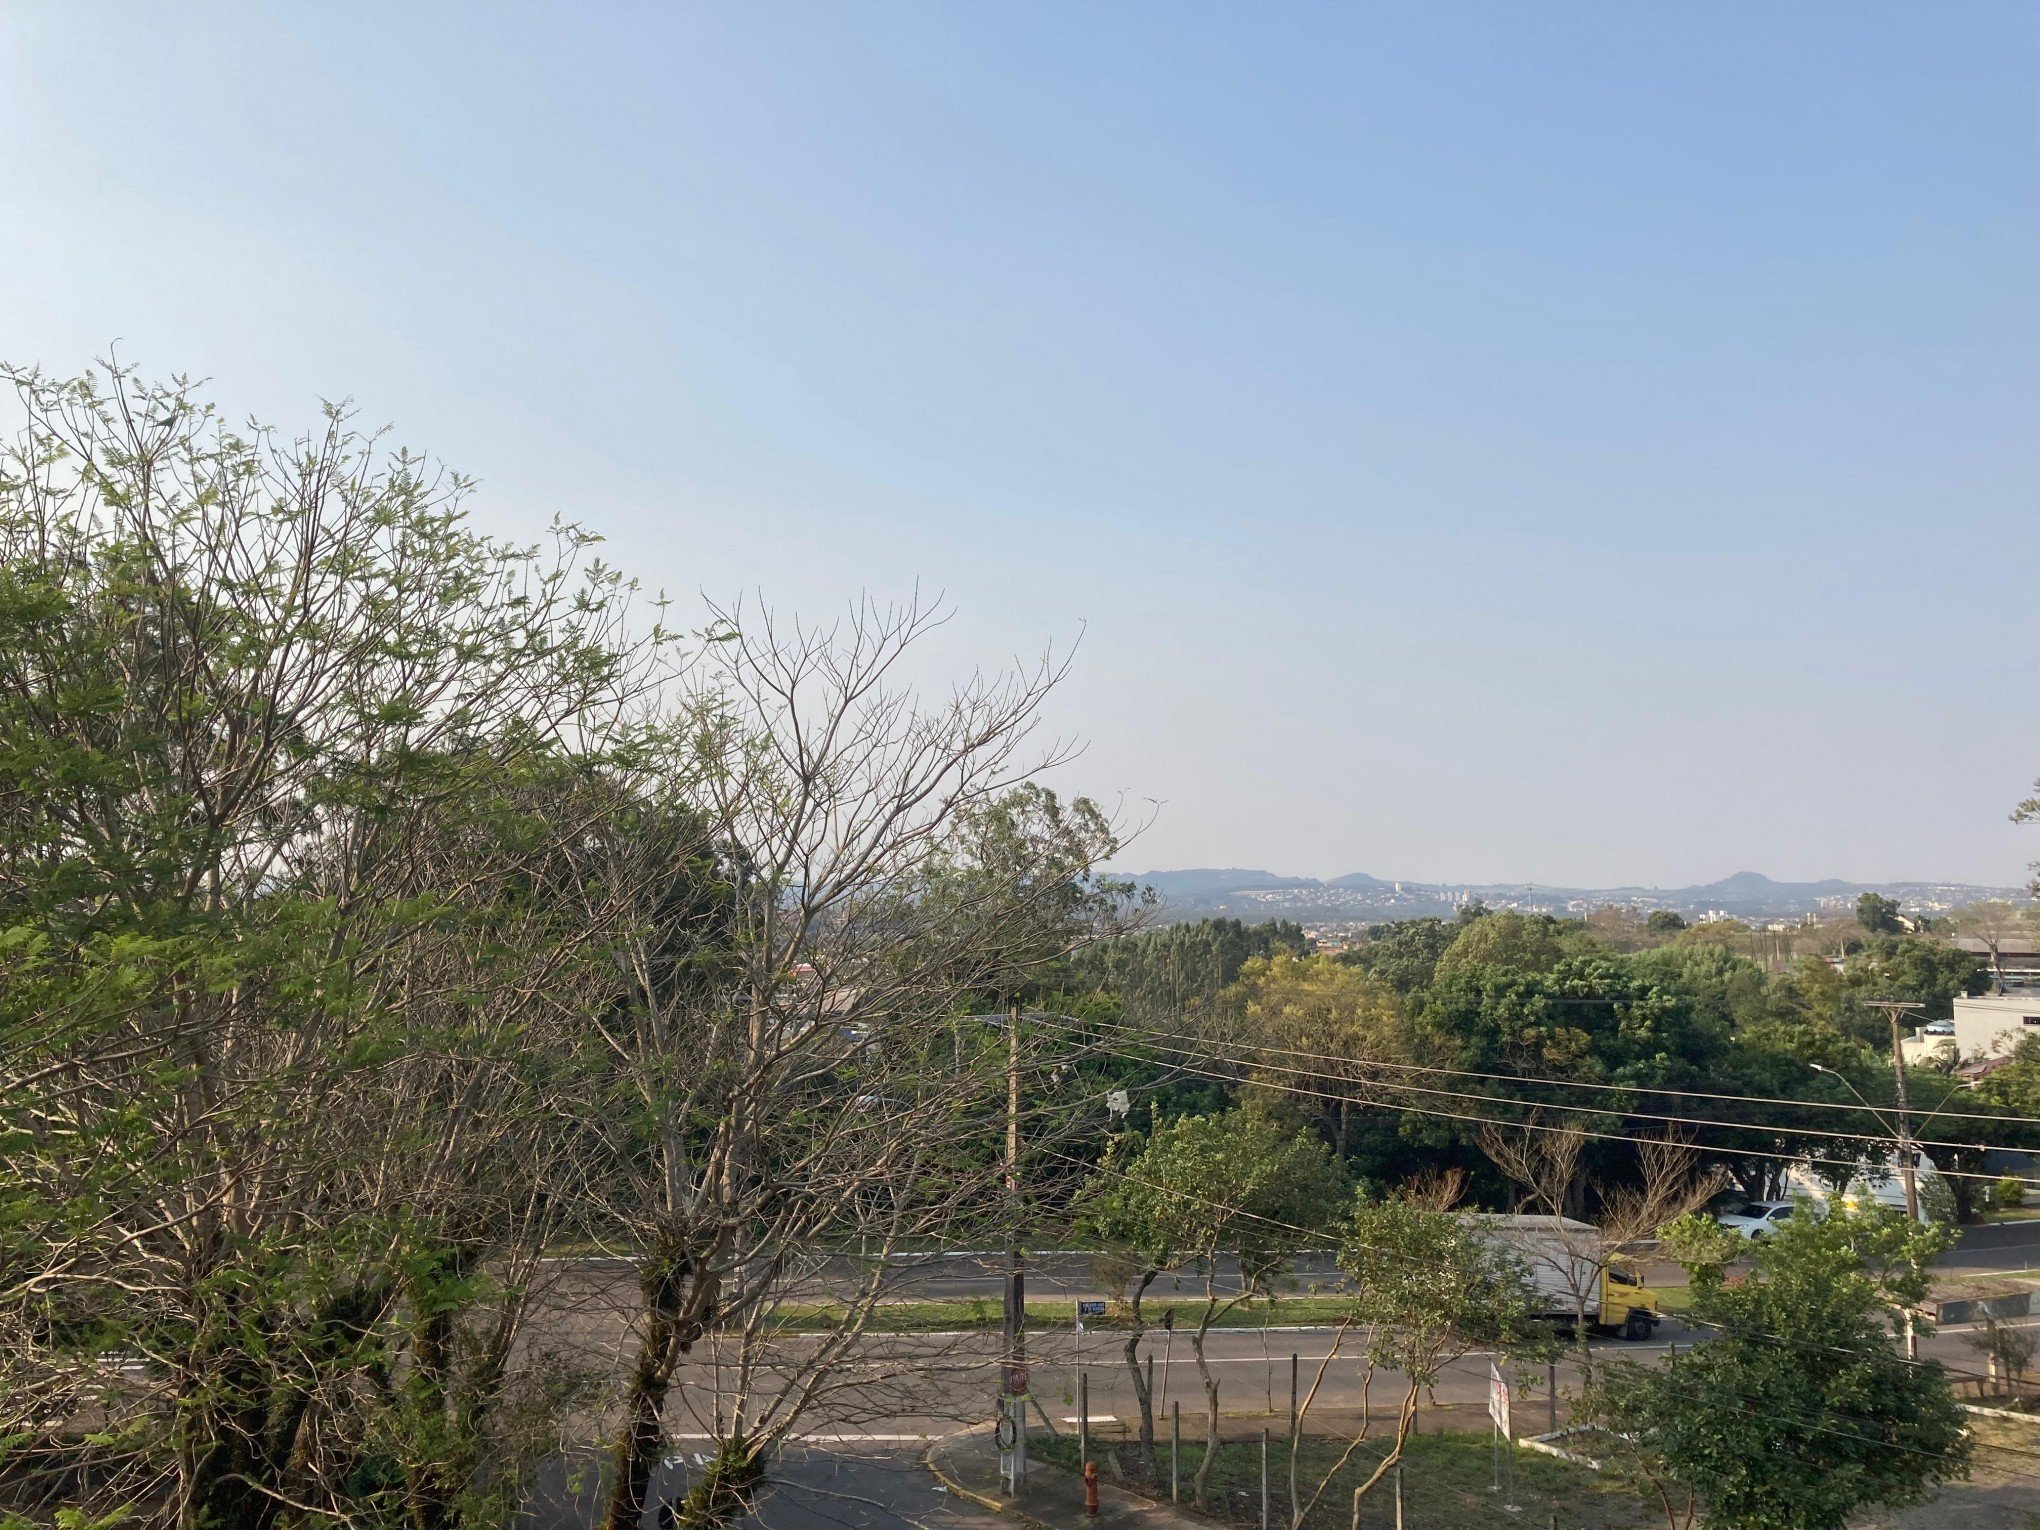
point(2009, 1193)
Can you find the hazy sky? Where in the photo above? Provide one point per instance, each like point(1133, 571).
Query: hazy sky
point(1572, 442)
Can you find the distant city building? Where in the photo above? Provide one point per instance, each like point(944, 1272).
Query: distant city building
point(2018, 957)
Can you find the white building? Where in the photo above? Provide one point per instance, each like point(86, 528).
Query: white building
point(1991, 1025)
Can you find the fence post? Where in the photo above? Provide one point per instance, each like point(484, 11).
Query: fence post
point(1551, 1399)
point(1175, 1446)
point(1264, 1479)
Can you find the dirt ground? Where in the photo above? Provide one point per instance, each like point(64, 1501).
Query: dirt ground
point(2002, 1492)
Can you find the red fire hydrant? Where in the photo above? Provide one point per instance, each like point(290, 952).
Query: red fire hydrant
point(1090, 1487)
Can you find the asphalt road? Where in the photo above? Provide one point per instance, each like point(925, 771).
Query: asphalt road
point(2005, 1246)
point(1064, 1274)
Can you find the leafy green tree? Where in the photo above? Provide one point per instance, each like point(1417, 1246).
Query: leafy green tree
point(1161, 975)
point(2014, 1089)
point(1325, 1023)
point(1513, 942)
point(1799, 1411)
point(1878, 914)
point(1665, 921)
point(1235, 1183)
point(1427, 1290)
point(1404, 953)
point(281, 737)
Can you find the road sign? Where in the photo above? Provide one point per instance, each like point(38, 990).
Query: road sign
point(1498, 1399)
point(1016, 1381)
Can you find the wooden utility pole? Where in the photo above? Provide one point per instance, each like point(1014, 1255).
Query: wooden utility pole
point(1907, 1153)
point(1015, 1389)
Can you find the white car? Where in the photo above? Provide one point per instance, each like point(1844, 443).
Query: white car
point(1756, 1219)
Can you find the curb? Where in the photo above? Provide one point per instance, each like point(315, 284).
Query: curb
point(2023, 1418)
point(971, 1495)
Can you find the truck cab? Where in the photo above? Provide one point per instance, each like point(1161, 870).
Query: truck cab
point(1628, 1306)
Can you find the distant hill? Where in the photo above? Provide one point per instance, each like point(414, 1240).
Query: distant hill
point(1210, 882)
point(1358, 897)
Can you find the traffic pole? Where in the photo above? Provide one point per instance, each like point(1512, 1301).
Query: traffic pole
point(1175, 1448)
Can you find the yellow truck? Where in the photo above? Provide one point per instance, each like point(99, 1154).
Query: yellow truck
point(1574, 1277)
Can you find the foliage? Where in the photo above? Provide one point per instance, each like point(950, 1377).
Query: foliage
point(1327, 1022)
point(1878, 914)
point(1800, 1410)
point(1515, 943)
point(1162, 974)
point(1234, 1181)
point(1404, 954)
point(282, 739)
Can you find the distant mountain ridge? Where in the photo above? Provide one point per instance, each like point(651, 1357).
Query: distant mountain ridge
point(1358, 897)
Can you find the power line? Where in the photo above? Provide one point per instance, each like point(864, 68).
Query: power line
point(1180, 1037)
point(1534, 1125)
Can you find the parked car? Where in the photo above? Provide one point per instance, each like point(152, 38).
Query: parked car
point(1756, 1219)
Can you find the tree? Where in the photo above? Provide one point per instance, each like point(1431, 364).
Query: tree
point(1517, 943)
point(1404, 953)
point(1162, 975)
point(281, 739)
point(1994, 922)
point(1204, 1185)
point(1326, 1023)
point(2029, 812)
point(892, 869)
point(1878, 914)
point(1665, 921)
point(1427, 1290)
point(1799, 1411)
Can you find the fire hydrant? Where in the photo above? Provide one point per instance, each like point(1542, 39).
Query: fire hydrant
point(1090, 1487)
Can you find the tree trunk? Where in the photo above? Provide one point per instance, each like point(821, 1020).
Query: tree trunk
point(1141, 1394)
point(673, 1299)
point(1210, 1402)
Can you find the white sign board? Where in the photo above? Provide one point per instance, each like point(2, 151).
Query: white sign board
point(1498, 1399)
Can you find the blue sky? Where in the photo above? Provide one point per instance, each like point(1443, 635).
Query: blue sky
point(1573, 442)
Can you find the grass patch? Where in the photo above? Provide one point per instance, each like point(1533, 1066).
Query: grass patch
point(1447, 1483)
point(1674, 1298)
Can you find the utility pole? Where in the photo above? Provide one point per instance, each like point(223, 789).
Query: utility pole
point(1907, 1153)
point(1015, 1466)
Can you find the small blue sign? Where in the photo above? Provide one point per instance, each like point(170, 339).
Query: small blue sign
point(1090, 1309)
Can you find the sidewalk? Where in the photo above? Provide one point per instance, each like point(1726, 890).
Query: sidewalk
point(968, 1465)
